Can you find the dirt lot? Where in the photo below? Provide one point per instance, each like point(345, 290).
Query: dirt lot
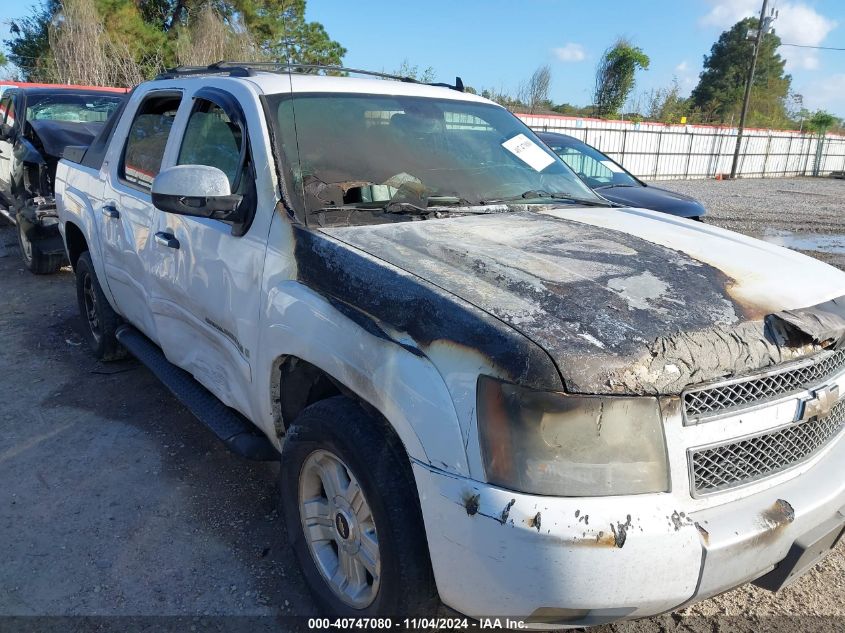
point(116, 502)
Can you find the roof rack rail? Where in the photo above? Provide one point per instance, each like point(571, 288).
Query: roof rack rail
point(247, 69)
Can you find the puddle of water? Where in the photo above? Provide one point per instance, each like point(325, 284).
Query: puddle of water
point(824, 242)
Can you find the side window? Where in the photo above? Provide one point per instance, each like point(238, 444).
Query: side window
point(212, 139)
point(7, 110)
point(582, 164)
point(147, 140)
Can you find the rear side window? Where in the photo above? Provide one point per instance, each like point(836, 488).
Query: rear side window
point(147, 139)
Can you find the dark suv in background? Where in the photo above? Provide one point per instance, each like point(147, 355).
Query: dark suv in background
point(37, 123)
point(612, 181)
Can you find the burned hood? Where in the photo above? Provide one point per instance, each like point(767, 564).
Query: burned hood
point(622, 301)
point(56, 135)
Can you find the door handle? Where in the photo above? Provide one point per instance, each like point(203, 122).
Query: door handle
point(166, 239)
point(110, 212)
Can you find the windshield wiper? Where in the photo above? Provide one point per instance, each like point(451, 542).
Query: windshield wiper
point(536, 194)
point(618, 184)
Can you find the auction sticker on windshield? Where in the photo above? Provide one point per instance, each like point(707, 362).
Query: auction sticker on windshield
point(528, 152)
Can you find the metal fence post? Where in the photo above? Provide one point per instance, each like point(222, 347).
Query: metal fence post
point(766, 156)
point(689, 153)
point(788, 153)
point(624, 140)
point(807, 158)
point(657, 157)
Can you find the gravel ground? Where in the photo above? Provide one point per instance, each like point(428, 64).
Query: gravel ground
point(807, 214)
point(116, 502)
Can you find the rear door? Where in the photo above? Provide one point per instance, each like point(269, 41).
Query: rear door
point(206, 274)
point(126, 213)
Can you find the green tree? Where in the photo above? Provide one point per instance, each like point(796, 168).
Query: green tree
point(666, 104)
point(406, 69)
point(615, 76)
point(820, 122)
point(29, 42)
point(279, 28)
point(157, 32)
point(722, 83)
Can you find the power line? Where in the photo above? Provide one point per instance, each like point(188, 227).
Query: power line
point(823, 48)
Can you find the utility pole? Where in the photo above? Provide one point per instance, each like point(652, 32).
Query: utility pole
point(762, 27)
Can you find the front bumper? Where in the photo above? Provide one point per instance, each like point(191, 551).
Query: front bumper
point(39, 222)
point(582, 561)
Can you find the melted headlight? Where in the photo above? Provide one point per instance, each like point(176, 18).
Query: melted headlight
point(570, 445)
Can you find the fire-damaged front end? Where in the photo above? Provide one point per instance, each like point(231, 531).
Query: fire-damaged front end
point(695, 433)
point(649, 406)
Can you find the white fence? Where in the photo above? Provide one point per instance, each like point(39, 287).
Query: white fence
point(659, 151)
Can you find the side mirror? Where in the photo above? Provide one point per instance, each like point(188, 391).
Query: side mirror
point(196, 190)
point(7, 132)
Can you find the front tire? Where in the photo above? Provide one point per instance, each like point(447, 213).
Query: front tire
point(352, 516)
point(34, 260)
point(100, 321)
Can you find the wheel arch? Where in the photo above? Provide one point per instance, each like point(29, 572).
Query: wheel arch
point(75, 242)
point(326, 353)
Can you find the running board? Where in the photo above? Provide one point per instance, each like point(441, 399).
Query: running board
point(234, 430)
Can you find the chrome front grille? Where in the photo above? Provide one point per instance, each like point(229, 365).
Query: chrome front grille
point(737, 463)
point(743, 392)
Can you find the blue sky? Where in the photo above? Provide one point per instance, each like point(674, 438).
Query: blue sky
point(498, 43)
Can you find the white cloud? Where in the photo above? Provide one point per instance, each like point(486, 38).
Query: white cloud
point(726, 14)
point(570, 52)
point(797, 23)
point(827, 93)
point(686, 76)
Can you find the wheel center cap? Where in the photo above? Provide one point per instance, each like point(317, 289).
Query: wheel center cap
point(341, 523)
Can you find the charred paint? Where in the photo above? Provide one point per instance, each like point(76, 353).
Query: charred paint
point(599, 539)
point(774, 520)
point(779, 515)
point(822, 324)
point(616, 313)
point(506, 512)
point(471, 503)
point(620, 532)
point(412, 305)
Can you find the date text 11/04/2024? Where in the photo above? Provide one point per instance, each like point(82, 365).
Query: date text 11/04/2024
point(438, 624)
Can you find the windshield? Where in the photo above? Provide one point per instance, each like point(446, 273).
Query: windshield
point(71, 108)
point(396, 152)
point(596, 169)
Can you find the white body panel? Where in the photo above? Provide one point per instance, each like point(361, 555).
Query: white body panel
point(228, 309)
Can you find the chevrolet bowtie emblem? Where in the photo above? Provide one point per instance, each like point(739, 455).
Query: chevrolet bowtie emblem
point(820, 403)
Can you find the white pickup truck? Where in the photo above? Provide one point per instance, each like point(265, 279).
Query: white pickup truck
point(488, 386)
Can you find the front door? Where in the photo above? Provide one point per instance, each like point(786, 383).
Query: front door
point(206, 274)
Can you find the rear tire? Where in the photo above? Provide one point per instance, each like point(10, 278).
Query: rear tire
point(348, 477)
point(36, 261)
point(100, 321)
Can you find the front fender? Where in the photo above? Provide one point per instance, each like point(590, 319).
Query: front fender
point(405, 387)
point(75, 207)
